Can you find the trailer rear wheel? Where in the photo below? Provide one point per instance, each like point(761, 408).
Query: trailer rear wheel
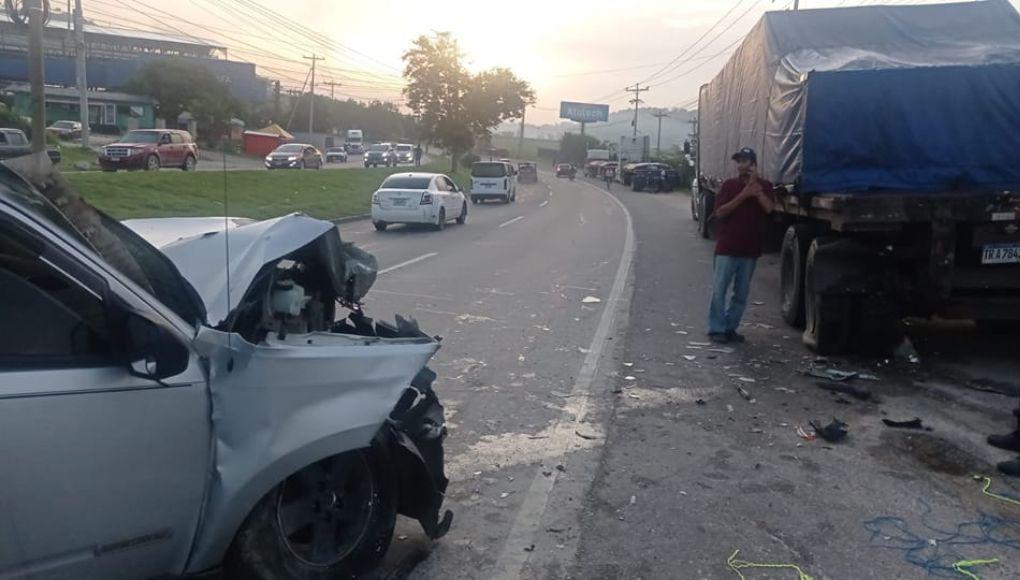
point(793, 255)
point(827, 314)
point(707, 201)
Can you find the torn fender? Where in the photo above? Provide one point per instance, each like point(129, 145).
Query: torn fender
point(418, 427)
point(281, 405)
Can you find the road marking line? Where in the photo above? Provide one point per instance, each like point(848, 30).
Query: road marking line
point(544, 203)
point(528, 521)
point(505, 224)
point(407, 263)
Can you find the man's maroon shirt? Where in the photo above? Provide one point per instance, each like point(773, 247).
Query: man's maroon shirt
point(739, 234)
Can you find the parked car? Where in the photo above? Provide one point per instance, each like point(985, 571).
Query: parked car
point(66, 130)
point(380, 154)
point(565, 170)
point(257, 430)
point(654, 177)
point(336, 155)
point(14, 143)
point(492, 180)
point(527, 173)
point(150, 149)
point(294, 156)
point(418, 198)
point(405, 153)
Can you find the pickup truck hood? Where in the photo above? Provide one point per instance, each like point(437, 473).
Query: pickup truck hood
point(198, 247)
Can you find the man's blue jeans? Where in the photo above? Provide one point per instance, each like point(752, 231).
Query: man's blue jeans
point(735, 272)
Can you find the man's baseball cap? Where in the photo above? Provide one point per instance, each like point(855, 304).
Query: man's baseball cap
point(745, 153)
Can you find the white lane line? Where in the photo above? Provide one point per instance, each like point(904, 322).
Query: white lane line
point(505, 224)
point(528, 521)
point(544, 203)
point(408, 263)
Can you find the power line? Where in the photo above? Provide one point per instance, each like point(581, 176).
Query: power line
point(693, 44)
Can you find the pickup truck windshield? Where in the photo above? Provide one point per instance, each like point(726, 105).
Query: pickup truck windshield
point(140, 137)
point(488, 170)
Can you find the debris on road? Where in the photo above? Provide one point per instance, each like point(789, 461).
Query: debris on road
point(590, 300)
point(786, 390)
point(746, 379)
point(805, 435)
point(700, 402)
point(831, 374)
point(628, 364)
point(914, 423)
point(689, 357)
point(852, 390)
point(583, 436)
point(833, 432)
point(758, 303)
point(747, 396)
point(906, 351)
point(693, 343)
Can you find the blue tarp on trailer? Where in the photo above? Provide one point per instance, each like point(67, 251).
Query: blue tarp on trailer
point(920, 98)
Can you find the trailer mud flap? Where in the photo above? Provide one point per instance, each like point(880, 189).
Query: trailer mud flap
point(417, 428)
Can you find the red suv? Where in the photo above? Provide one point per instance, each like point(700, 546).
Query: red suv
point(150, 149)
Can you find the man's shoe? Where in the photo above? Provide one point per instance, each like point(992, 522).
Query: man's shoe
point(718, 337)
point(734, 336)
point(1010, 468)
point(1010, 442)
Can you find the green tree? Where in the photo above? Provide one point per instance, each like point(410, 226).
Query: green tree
point(180, 86)
point(452, 107)
point(574, 147)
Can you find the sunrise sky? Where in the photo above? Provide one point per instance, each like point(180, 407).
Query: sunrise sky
point(568, 49)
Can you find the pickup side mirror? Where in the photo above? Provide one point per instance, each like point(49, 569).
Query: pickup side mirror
point(153, 352)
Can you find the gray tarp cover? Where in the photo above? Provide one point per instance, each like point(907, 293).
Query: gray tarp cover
point(888, 97)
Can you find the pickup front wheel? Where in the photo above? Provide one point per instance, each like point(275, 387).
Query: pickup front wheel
point(333, 519)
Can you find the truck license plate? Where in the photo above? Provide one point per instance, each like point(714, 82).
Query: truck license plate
point(1001, 254)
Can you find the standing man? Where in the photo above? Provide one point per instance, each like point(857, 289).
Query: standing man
point(417, 155)
point(741, 209)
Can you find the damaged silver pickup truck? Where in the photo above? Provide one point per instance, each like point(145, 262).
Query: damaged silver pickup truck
point(171, 411)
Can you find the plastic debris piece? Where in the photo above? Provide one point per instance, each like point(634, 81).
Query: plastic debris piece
point(805, 435)
point(689, 357)
point(590, 300)
point(758, 303)
point(628, 364)
point(833, 432)
point(746, 380)
point(914, 423)
point(831, 374)
point(747, 396)
point(630, 378)
point(583, 436)
point(693, 343)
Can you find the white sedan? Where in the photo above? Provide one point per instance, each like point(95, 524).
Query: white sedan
point(418, 198)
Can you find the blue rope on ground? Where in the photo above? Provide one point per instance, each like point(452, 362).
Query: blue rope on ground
point(940, 552)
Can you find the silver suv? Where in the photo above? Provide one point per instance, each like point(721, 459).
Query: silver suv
point(158, 421)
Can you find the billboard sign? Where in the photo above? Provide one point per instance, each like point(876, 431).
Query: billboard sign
point(583, 112)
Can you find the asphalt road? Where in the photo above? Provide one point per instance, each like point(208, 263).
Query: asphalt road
point(507, 292)
point(605, 439)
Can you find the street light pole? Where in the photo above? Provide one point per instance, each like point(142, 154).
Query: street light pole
point(36, 74)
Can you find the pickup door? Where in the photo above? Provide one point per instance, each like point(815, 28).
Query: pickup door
point(103, 473)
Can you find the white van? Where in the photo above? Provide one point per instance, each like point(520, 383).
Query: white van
point(493, 180)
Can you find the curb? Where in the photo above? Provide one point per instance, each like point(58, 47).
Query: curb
point(351, 218)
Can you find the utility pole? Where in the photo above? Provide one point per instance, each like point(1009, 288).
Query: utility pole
point(80, 72)
point(36, 74)
point(276, 101)
point(311, 93)
point(637, 90)
point(796, 4)
point(658, 134)
point(332, 85)
point(520, 138)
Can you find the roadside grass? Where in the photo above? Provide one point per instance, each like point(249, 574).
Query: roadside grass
point(71, 153)
point(257, 194)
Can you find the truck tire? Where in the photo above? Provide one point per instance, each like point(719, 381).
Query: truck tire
point(272, 543)
point(793, 254)
point(827, 328)
point(707, 201)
